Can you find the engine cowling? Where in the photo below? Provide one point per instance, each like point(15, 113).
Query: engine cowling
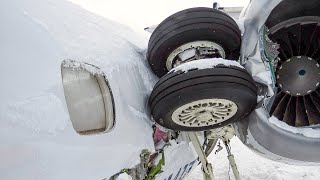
point(286, 126)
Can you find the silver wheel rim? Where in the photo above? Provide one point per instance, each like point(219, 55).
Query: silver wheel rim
point(192, 45)
point(205, 112)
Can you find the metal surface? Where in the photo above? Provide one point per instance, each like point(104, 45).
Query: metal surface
point(174, 58)
point(89, 100)
point(299, 76)
point(225, 133)
point(276, 143)
point(298, 71)
point(204, 112)
point(206, 166)
point(232, 161)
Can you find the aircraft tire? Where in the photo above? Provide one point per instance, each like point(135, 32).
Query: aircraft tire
point(206, 98)
point(189, 25)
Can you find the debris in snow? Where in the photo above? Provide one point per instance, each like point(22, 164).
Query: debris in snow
point(205, 64)
point(305, 131)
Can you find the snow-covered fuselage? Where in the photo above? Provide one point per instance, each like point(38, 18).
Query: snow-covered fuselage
point(37, 138)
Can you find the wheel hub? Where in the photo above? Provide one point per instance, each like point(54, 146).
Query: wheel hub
point(204, 112)
point(299, 75)
point(194, 51)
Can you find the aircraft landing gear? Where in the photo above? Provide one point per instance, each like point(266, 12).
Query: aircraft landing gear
point(206, 166)
point(225, 134)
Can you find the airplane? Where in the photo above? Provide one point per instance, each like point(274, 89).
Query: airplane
point(84, 97)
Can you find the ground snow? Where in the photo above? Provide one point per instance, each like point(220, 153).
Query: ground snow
point(254, 167)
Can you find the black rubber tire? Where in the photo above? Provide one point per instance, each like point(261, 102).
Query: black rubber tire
point(176, 89)
point(288, 9)
point(189, 25)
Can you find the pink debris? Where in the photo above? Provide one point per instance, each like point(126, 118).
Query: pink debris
point(159, 135)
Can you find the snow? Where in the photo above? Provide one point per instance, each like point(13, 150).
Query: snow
point(124, 176)
point(36, 134)
point(305, 131)
point(205, 64)
point(27, 113)
point(177, 155)
point(68, 63)
point(264, 77)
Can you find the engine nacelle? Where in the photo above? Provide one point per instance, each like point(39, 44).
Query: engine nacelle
point(285, 126)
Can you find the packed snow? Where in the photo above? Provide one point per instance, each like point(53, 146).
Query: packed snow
point(305, 131)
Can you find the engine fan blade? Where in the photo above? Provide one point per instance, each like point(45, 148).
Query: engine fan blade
point(277, 100)
point(281, 107)
point(316, 45)
point(290, 114)
point(308, 31)
point(294, 35)
point(316, 100)
point(301, 115)
point(312, 112)
point(314, 42)
point(281, 37)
